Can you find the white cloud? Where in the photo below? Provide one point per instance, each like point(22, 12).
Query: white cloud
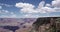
point(24, 5)
point(7, 5)
point(41, 4)
point(30, 16)
point(0, 12)
point(56, 3)
point(48, 5)
point(27, 8)
point(4, 11)
point(7, 14)
point(0, 7)
point(42, 8)
point(30, 9)
point(12, 16)
point(12, 13)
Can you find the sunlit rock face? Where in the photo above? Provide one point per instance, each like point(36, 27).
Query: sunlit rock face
point(45, 24)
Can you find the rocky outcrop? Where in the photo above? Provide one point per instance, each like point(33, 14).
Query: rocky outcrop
point(45, 24)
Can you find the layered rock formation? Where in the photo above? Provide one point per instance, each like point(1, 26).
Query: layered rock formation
point(45, 24)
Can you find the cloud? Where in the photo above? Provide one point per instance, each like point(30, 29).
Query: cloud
point(7, 14)
point(7, 5)
point(56, 3)
point(4, 11)
point(41, 8)
point(26, 7)
point(0, 12)
point(30, 16)
point(30, 9)
point(37, 15)
point(41, 4)
point(48, 5)
point(12, 13)
point(0, 7)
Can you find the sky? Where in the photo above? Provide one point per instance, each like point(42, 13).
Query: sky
point(29, 8)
